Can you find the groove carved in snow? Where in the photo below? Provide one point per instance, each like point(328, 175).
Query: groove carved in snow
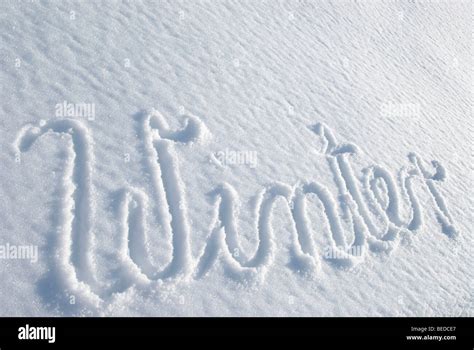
point(377, 219)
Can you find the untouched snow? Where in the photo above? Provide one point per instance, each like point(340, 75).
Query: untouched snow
point(236, 158)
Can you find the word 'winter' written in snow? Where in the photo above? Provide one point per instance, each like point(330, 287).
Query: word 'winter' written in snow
point(75, 110)
point(229, 157)
point(379, 213)
point(37, 333)
point(11, 252)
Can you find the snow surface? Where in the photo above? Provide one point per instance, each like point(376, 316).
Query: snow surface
point(231, 146)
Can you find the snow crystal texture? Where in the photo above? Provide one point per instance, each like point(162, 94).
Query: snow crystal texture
point(236, 158)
